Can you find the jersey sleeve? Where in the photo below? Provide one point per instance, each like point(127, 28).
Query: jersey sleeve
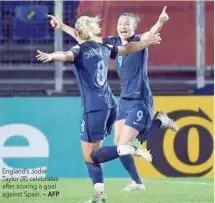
point(136, 38)
point(139, 36)
point(113, 51)
point(108, 40)
point(75, 50)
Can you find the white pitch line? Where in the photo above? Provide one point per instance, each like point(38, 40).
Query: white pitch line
point(180, 182)
point(168, 181)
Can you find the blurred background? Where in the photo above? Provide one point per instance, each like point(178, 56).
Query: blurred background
point(40, 105)
point(181, 64)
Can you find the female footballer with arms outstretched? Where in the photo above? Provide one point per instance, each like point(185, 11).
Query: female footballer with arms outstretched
point(99, 104)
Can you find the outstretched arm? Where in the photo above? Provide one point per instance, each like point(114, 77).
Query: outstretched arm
point(57, 23)
point(55, 56)
point(150, 39)
point(159, 24)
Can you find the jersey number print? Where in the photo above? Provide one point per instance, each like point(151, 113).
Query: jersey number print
point(100, 74)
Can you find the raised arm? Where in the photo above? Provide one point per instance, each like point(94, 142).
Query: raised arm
point(159, 24)
point(57, 23)
point(55, 56)
point(149, 39)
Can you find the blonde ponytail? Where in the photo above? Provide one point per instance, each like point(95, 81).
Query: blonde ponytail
point(88, 27)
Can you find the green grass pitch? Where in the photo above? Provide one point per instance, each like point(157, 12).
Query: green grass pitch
point(170, 190)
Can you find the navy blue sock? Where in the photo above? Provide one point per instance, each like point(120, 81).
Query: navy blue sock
point(104, 154)
point(96, 172)
point(129, 165)
point(155, 124)
point(142, 137)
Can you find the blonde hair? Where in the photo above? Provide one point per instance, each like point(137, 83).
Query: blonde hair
point(87, 27)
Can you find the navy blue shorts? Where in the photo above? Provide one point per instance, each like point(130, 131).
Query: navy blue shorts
point(138, 113)
point(96, 125)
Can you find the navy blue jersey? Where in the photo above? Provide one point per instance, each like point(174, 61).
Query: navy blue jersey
point(91, 68)
point(132, 70)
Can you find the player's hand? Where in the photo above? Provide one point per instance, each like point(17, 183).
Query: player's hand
point(42, 56)
point(163, 16)
point(152, 39)
point(55, 21)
